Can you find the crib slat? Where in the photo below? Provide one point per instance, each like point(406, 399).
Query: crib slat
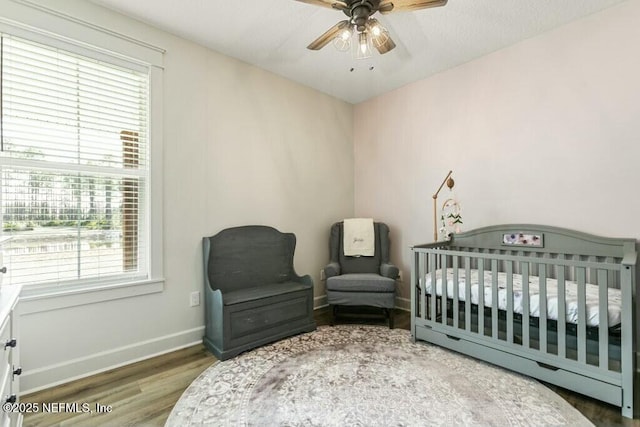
point(542, 300)
point(562, 313)
point(445, 288)
point(424, 269)
point(481, 296)
point(434, 287)
point(525, 304)
point(421, 281)
point(494, 299)
point(603, 314)
point(418, 282)
point(582, 316)
point(467, 293)
point(456, 292)
point(510, 302)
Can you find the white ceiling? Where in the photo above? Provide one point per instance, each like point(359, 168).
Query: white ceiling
point(273, 35)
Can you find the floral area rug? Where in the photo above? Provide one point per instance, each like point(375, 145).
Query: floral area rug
point(365, 376)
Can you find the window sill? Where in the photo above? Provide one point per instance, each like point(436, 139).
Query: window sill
point(41, 300)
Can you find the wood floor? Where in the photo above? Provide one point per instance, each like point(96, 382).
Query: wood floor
point(143, 394)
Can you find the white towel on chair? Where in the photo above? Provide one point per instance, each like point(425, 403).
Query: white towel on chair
point(359, 237)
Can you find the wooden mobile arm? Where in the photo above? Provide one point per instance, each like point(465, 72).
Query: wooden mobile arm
point(450, 183)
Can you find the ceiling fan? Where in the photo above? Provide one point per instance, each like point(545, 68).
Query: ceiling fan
point(361, 26)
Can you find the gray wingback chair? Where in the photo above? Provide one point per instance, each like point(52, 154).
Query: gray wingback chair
point(363, 280)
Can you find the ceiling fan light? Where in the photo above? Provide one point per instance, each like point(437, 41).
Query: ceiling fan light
point(345, 34)
point(376, 30)
point(381, 39)
point(379, 34)
point(342, 42)
point(362, 49)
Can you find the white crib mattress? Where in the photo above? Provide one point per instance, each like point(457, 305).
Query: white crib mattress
point(571, 292)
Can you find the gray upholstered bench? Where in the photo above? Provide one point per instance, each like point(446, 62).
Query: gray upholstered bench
point(252, 294)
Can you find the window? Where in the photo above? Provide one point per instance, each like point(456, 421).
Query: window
point(74, 168)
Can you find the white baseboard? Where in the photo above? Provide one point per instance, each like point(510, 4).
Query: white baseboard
point(320, 302)
point(403, 304)
point(53, 375)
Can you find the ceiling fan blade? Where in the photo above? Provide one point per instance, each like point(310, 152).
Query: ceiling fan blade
point(329, 35)
point(388, 6)
point(334, 4)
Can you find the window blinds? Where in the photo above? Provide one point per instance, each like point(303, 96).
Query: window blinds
point(73, 166)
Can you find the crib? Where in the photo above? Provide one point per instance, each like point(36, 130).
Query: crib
point(551, 303)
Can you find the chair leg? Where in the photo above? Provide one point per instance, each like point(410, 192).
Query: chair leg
point(390, 314)
point(333, 310)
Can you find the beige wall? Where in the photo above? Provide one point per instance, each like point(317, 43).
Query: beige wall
point(546, 131)
point(241, 146)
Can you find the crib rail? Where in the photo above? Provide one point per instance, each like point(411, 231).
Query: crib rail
point(585, 346)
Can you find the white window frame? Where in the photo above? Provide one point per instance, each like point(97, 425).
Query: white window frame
point(61, 30)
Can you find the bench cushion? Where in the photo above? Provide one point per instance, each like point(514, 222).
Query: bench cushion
point(262, 291)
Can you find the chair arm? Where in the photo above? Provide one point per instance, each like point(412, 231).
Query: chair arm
point(389, 270)
point(332, 269)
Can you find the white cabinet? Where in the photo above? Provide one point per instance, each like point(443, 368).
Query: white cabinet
point(9, 361)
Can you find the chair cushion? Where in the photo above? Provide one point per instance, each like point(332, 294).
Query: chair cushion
point(361, 282)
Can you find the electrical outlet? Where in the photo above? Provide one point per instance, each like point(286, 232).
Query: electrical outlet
point(195, 298)
point(322, 276)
